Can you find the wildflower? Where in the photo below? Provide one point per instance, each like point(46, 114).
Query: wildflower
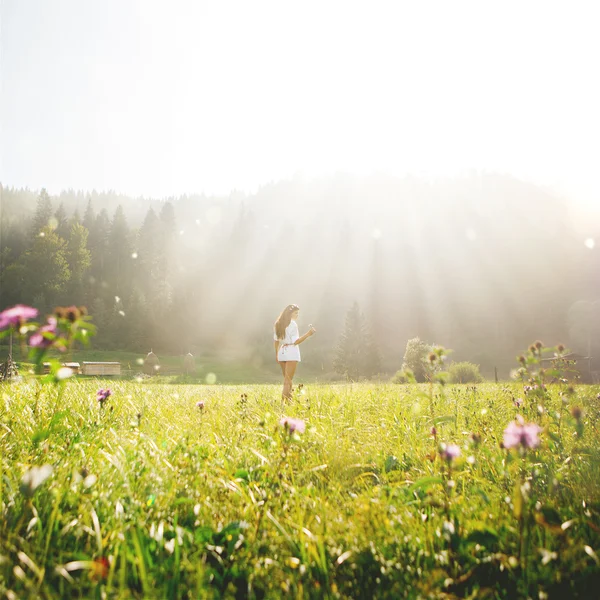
point(475, 438)
point(449, 452)
point(293, 424)
point(16, 316)
point(560, 348)
point(100, 568)
point(33, 478)
point(518, 402)
point(102, 396)
point(538, 345)
point(432, 357)
point(521, 434)
point(200, 404)
point(60, 312)
point(433, 431)
point(72, 313)
point(577, 413)
point(39, 340)
point(522, 359)
point(64, 373)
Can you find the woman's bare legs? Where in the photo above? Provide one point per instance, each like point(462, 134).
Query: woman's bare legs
point(288, 376)
point(282, 365)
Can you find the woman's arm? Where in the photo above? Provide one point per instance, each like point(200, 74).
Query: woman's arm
point(276, 344)
point(308, 334)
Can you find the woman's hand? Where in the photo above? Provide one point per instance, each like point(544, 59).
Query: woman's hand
point(311, 330)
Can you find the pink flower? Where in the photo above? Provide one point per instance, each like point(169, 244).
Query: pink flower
point(200, 404)
point(449, 452)
point(518, 402)
point(433, 431)
point(522, 434)
point(39, 340)
point(293, 424)
point(102, 396)
point(16, 315)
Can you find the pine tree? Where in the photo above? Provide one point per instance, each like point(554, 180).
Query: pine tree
point(168, 228)
point(61, 221)
point(148, 251)
point(119, 252)
point(43, 213)
point(45, 267)
point(79, 259)
point(89, 219)
point(357, 355)
point(75, 218)
point(98, 244)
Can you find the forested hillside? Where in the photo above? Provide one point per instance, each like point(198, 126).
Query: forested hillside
point(482, 264)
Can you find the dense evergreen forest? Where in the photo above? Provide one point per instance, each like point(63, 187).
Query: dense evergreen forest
point(482, 264)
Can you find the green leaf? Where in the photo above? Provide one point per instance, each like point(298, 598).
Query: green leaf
point(425, 483)
point(39, 436)
point(441, 420)
point(242, 474)
point(517, 500)
point(484, 537)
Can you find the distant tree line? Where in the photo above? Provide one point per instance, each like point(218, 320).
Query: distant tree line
point(482, 264)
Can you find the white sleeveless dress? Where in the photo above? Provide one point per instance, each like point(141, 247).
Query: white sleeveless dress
point(291, 352)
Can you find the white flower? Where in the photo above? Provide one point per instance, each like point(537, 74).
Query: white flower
point(64, 373)
point(33, 478)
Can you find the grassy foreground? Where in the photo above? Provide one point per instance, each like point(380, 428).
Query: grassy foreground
point(152, 497)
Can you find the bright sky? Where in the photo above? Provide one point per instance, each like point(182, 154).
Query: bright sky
point(166, 97)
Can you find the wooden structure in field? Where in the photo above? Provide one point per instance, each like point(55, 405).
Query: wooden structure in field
point(151, 364)
point(101, 368)
point(8, 369)
point(74, 366)
point(576, 367)
point(189, 363)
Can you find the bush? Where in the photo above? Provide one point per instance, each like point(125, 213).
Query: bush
point(464, 372)
point(415, 359)
point(399, 377)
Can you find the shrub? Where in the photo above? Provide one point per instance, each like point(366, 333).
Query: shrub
point(464, 372)
point(400, 377)
point(415, 359)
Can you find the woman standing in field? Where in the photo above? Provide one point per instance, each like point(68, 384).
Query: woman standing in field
point(286, 341)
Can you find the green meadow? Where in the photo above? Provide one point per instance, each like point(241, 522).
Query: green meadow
point(151, 496)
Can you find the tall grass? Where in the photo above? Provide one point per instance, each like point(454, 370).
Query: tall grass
point(153, 497)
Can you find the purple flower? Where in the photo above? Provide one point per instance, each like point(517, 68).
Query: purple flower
point(102, 396)
point(522, 434)
point(577, 413)
point(449, 452)
point(39, 340)
point(16, 315)
point(518, 402)
point(293, 424)
point(200, 404)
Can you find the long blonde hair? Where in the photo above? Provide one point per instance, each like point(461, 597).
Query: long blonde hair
point(284, 319)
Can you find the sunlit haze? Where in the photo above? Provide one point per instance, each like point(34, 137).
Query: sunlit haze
point(161, 98)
